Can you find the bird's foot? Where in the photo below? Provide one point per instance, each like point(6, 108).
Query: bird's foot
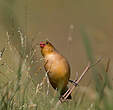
point(74, 82)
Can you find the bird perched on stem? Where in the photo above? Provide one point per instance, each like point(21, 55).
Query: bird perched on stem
point(56, 66)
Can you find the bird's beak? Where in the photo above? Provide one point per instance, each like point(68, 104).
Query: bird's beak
point(42, 44)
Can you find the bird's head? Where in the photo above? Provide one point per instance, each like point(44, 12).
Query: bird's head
point(46, 48)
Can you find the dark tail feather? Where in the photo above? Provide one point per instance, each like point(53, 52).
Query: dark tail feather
point(64, 91)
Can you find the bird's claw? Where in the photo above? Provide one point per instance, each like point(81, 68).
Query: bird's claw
point(74, 82)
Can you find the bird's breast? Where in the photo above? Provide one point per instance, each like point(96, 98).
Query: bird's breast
point(57, 66)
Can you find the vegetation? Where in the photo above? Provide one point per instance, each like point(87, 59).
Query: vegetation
point(22, 93)
point(23, 81)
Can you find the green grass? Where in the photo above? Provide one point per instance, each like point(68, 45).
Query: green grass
point(19, 93)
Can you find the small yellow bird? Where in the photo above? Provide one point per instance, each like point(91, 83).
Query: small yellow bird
point(56, 66)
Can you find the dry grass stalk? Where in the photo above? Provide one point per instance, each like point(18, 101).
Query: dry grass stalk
point(69, 91)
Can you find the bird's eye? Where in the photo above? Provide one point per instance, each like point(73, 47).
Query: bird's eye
point(47, 42)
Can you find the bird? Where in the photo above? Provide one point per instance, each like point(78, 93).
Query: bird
point(56, 66)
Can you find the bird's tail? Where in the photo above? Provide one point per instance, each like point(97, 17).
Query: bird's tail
point(64, 91)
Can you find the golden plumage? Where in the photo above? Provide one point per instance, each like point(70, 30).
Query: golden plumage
point(56, 66)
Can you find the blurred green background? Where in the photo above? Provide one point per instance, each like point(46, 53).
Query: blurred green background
point(24, 23)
